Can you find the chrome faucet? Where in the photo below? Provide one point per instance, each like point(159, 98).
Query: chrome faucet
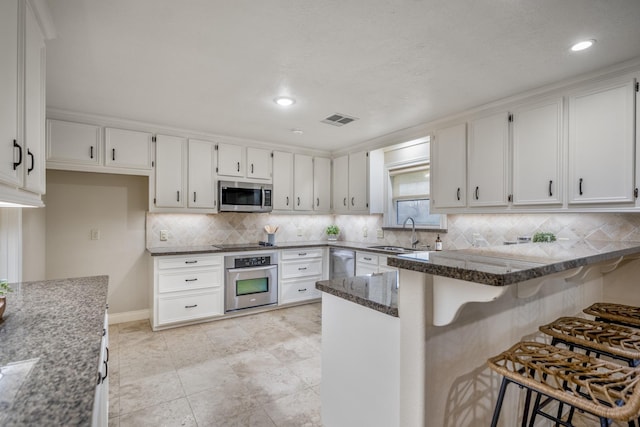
point(414, 238)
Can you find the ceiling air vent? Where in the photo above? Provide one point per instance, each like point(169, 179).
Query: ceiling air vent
point(338, 119)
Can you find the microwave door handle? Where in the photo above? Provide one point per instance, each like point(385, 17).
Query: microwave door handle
point(263, 197)
point(248, 269)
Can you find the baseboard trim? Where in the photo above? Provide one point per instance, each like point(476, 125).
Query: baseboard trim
point(128, 316)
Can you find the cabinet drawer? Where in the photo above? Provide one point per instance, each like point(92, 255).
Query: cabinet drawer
point(302, 253)
point(190, 306)
point(187, 279)
point(189, 261)
point(299, 290)
point(367, 258)
point(302, 268)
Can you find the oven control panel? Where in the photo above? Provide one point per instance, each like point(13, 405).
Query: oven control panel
point(254, 261)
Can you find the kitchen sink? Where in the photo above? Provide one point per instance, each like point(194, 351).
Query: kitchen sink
point(395, 249)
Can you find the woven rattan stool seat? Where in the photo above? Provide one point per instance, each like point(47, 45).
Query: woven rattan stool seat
point(616, 313)
point(605, 389)
point(605, 338)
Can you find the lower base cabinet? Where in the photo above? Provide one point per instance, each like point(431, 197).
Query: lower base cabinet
point(187, 288)
point(101, 400)
point(299, 272)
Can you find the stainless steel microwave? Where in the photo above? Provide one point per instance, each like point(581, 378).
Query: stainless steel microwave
point(245, 196)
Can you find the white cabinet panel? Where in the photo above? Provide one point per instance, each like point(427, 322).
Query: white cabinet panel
point(601, 144)
point(201, 181)
point(282, 180)
point(77, 143)
point(449, 167)
point(180, 280)
point(188, 261)
point(300, 290)
point(293, 269)
point(9, 93)
point(258, 163)
point(303, 182)
point(192, 306)
point(537, 154)
point(302, 254)
point(321, 184)
point(128, 148)
point(340, 184)
point(230, 160)
point(171, 164)
point(488, 160)
point(358, 182)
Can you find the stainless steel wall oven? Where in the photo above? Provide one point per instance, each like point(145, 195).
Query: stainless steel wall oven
point(251, 281)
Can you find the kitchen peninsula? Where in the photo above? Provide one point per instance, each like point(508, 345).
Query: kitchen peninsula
point(458, 308)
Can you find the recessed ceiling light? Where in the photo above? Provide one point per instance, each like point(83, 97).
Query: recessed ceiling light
point(284, 101)
point(585, 44)
point(297, 131)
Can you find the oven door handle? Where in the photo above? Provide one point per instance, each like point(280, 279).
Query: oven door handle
point(243, 270)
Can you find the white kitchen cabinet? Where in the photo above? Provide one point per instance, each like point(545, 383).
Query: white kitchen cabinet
point(34, 104)
point(366, 263)
point(300, 269)
point(449, 167)
point(321, 184)
point(303, 182)
point(73, 143)
point(230, 160)
point(282, 181)
point(100, 414)
point(488, 160)
point(350, 183)
point(187, 289)
point(601, 143)
point(201, 175)
point(340, 184)
point(128, 148)
point(171, 167)
point(537, 154)
point(258, 163)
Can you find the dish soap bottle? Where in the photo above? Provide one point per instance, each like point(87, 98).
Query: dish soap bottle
point(438, 243)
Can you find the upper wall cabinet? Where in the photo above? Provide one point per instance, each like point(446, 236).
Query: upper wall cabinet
point(73, 143)
point(321, 184)
point(201, 176)
point(601, 143)
point(488, 160)
point(127, 148)
point(244, 162)
point(171, 167)
point(301, 182)
point(537, 154)
point(282, 181)
point(22, 104)
point(351, 183)
point(449, 167)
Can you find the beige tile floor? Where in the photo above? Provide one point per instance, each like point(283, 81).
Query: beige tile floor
point(258, 370)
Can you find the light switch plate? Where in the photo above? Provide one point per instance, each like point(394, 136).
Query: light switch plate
point(95, 234)
point(164, 235)
point(380, 233)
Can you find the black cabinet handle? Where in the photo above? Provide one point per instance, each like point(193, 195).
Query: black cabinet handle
point(191, 262)
point(91, 152)
point(302, 254)
point(191, 306)
point(251, 168)
point(458, 193)
point(33, 161)
point(344, 202)
point(178, 195)
point(191, 280)
point(194, 197)
point(580, 186)
point(367, 258)
point(107, 348)
point(287, 200)
point(353, 201)
point(477, 193)
point(106, 370)
point(238, 167)
point(113, 154)
point(298, 201)
point(302, 290)
point(318, 201)
point(302, 268)
point(550, 192)
point(19, 147)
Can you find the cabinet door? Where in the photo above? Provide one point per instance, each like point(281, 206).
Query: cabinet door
point(9, 93)
point(34, 104)
point(74, 143)
point(201, 182)
point(258, 163)
point(537, 154)
point(449, 167)
point(303, 182)
point(488, 154)
point(230, 160)
point(601, 144)
point(358, 182)
point(127, 148)
point(340, 184)
point(282, 180)
point(321, 184)
point(171, 163)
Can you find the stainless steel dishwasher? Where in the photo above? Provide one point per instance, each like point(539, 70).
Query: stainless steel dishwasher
point(342, 263)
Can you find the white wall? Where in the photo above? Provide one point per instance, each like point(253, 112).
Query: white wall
point(33, 244)
point(115, 204)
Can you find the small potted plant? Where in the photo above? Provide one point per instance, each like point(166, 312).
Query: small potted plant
point(332, 232)
point(544, 237)
point(4, 290)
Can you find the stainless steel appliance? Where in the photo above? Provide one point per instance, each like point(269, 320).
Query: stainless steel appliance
point(251, 281)
point(341, 263)
point(238, 196)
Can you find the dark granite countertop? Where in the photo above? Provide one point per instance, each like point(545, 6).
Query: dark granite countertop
point(50, 340)
point(509, 264)
point(376, 291)
point(221, 248)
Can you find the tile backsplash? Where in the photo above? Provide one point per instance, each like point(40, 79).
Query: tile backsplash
point(201, 229)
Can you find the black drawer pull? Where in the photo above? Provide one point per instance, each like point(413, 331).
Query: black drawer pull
point(191, 262)
point(302, 290)
point(190, 280)
point(191, 306)
point(367, 259)
point(302, 268)
point(302, 254)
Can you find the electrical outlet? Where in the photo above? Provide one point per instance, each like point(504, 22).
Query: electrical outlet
point(95, 234)
point(380, 233)
point(164, 235)
point(364, 231)
point(299, 232)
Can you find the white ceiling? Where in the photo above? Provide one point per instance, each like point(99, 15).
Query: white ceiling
point(215, 66)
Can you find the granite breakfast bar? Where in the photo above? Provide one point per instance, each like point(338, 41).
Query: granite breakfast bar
point(458, 308)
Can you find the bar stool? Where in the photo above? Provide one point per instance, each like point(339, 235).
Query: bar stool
point(616, 341)
point(604, 389)
point(615, 313)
